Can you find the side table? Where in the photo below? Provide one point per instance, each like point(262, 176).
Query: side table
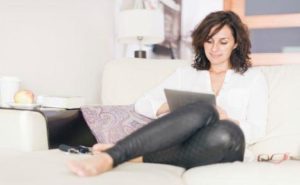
point(67, 127)
point(41, 129)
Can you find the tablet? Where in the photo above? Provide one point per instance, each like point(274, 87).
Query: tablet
point(178, 98)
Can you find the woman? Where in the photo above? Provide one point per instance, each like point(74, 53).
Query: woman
point(199, 133)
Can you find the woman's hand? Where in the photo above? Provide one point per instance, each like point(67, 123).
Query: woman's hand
point(163, 109)
point(223, 115)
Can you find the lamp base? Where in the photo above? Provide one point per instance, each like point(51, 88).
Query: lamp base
point(140, 54)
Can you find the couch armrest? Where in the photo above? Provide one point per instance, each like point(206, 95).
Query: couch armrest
point(27, 130)
point(23, 130)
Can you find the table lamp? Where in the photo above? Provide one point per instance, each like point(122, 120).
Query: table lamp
point(142, 26)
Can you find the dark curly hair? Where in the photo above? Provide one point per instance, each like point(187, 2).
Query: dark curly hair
point(239, 59)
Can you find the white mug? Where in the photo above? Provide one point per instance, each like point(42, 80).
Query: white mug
point(9, 85)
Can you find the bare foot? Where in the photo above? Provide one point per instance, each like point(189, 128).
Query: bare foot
point(92, 166)
point(98, 148)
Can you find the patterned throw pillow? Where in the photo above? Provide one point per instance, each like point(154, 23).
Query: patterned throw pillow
point(109, 124)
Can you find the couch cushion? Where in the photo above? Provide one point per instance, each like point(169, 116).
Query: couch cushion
point(239, 173)
point(283, 128)
point(48, 168)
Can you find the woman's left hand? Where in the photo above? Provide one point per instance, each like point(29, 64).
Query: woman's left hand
point(222, 113)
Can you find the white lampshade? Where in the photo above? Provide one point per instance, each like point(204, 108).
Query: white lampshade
point(143, 23)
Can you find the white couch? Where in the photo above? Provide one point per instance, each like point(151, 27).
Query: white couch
point(127, 79)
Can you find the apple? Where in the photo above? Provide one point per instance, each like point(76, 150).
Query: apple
point(24, 97)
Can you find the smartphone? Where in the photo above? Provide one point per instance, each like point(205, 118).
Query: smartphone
point(75, 149)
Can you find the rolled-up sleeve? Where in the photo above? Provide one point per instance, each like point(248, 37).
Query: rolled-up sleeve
point(150, 102)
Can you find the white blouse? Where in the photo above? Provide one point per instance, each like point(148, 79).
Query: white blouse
point(243, 97)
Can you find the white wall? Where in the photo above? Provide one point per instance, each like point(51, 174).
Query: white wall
point(57, 47)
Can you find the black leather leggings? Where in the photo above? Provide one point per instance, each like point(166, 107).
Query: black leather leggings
point(190, 136)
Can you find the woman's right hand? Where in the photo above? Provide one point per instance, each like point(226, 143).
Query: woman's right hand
point(163, 109)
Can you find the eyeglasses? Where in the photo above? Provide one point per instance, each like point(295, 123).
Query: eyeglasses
point(274, 158)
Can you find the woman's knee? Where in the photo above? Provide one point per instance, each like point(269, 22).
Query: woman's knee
point(226, 134)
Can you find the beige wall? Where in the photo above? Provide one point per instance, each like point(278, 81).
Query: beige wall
point(57, 47)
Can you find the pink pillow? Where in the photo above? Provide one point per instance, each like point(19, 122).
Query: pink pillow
point(109, 124)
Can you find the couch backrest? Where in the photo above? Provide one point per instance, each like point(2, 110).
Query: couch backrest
point(283, 129)
point(284, 101)
point(127, 79)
